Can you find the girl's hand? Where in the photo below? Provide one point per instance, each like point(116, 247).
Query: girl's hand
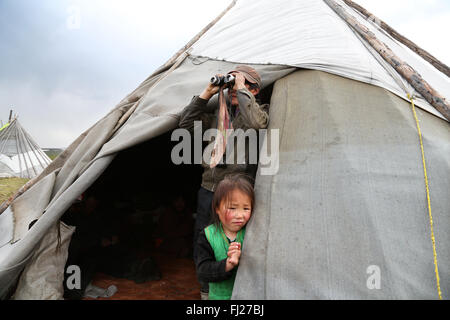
point(234, 254)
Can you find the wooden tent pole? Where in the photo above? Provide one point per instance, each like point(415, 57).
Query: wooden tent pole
point(412, 76)
point(423, 53)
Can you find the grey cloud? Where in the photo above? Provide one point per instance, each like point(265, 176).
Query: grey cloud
point(61, 81)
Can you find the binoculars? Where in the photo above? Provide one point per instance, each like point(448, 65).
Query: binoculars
point(222, 80)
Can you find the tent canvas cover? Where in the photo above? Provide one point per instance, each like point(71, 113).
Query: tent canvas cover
point(348, 202)
point(20, 155)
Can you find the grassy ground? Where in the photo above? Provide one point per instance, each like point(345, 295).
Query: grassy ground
point(53, 153)
point(8, 186)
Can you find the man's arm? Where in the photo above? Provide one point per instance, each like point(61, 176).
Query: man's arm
point(197, 110)
point(254, 115)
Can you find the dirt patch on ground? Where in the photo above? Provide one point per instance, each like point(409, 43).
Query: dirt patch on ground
point(178, 282)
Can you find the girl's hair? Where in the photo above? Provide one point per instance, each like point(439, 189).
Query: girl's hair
point(225, 188)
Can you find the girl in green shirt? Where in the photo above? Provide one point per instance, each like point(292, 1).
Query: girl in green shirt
point(220, 244)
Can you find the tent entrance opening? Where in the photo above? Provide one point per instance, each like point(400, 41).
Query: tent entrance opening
point(135, 226)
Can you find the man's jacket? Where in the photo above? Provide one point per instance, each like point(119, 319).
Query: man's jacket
point(249, 115)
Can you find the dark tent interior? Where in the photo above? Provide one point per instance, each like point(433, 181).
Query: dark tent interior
point(135, 226)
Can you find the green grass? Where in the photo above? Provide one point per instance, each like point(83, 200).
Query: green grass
point(8, 186)
point(53, 153)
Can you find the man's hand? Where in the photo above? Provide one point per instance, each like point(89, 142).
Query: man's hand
point(239, 81)
point(234, 254)
point(210, 90)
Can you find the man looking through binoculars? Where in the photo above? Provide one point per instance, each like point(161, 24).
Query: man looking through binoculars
point(238, 110)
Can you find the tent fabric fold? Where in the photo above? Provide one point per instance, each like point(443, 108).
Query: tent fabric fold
point(42, 278)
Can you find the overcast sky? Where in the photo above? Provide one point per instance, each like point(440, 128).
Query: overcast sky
point(65, 63)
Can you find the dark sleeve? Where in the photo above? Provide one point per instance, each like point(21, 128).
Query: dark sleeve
point(196, 110)
point(208, 269)
point(254, 115)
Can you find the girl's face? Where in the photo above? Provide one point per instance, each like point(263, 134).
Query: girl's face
point(235, 214)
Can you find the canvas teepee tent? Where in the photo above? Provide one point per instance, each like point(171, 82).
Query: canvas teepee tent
point(20, 156)
point(347, 214)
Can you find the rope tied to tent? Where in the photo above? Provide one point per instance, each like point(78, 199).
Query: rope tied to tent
point(433, 240)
